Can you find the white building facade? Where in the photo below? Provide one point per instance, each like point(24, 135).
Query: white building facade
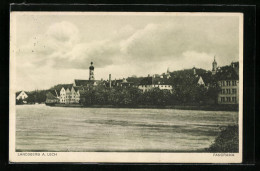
point(22, 96)
point(69, 95)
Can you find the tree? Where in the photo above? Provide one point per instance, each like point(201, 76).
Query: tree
point(19, 101)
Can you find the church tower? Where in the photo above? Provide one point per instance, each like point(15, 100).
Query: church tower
point(214, 66)
point(91, 72)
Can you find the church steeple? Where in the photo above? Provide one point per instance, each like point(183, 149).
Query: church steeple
point(91, 72)
point(214, 66)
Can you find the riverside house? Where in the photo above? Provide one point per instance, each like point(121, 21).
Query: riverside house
point(150, 82)
point(69, 94)
point(21, 95)
point(65, 93)
point(228, 80)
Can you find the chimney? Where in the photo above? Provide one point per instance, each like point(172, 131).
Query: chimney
point(109, 80)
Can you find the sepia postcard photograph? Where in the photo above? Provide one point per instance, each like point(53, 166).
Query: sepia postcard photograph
point(126, 87)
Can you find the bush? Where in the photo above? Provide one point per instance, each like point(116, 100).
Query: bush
point(226, 141)
point(19, 101)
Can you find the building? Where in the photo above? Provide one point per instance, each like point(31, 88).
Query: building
point(69, 95)
point(120, 83)
point(66, 93)
point(214, 66)
point(91, 72)
point(204, 78)
point(52, 97)
point(149, 83)
point(228, 81)
point(85, 84)
point(21, 95)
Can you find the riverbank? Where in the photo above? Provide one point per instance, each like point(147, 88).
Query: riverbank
point(227, 141)
point(180, 107)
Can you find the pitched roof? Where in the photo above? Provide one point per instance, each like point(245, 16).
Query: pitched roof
point(19, 92)
point(226, 73)
point(84, 82)
point(161, 81)
point(157, 81)
point(59, 86)
point(206, 77)
point(53, 92)
point(51, 95)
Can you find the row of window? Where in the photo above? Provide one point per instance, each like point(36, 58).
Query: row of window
point(156, 86)
point(70, 96)
point(68, 100)
point(228, 99)
point(228, 91)
point(228, 83)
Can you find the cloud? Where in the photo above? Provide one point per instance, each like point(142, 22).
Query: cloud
point(163, 41)
point(61, 45)
point(141, 48)
point(62, 49)
point(63, 32)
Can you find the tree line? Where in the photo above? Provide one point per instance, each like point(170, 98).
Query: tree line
point(132, 96)
point(38, 96)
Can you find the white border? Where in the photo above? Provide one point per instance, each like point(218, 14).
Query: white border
point(121, 157)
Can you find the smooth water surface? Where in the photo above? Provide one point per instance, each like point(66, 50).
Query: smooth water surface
point(44, 128)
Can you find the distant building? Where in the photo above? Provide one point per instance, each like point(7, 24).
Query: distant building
point(164, 75)
point(65, 93)
point(90, 82)
point(86, 84)
point(69, 94)
point(21, 95)
point(204, 78)
point(91, 72)
point(228, 80)
point(149, 83)
point(227, 77)
point(121, 83)
point(52, 97)
point(214, 66)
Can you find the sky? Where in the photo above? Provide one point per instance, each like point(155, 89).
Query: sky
point(56, 48)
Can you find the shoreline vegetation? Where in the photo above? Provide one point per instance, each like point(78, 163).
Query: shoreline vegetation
point(227, 141)
point(180, 107)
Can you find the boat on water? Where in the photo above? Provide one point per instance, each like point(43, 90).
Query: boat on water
point(50, 104)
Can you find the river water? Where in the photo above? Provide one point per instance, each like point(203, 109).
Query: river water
point(44, 128)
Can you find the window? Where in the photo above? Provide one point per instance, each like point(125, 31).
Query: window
point(234, 91)
point(228, 83)
point(228, 91)
point(222, 99)
point(228, 99)
point(222, 83)
point(234, 83)
point(223, 91)
point(234, 99)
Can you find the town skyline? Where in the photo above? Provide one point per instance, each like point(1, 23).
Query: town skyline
point(58, 48)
